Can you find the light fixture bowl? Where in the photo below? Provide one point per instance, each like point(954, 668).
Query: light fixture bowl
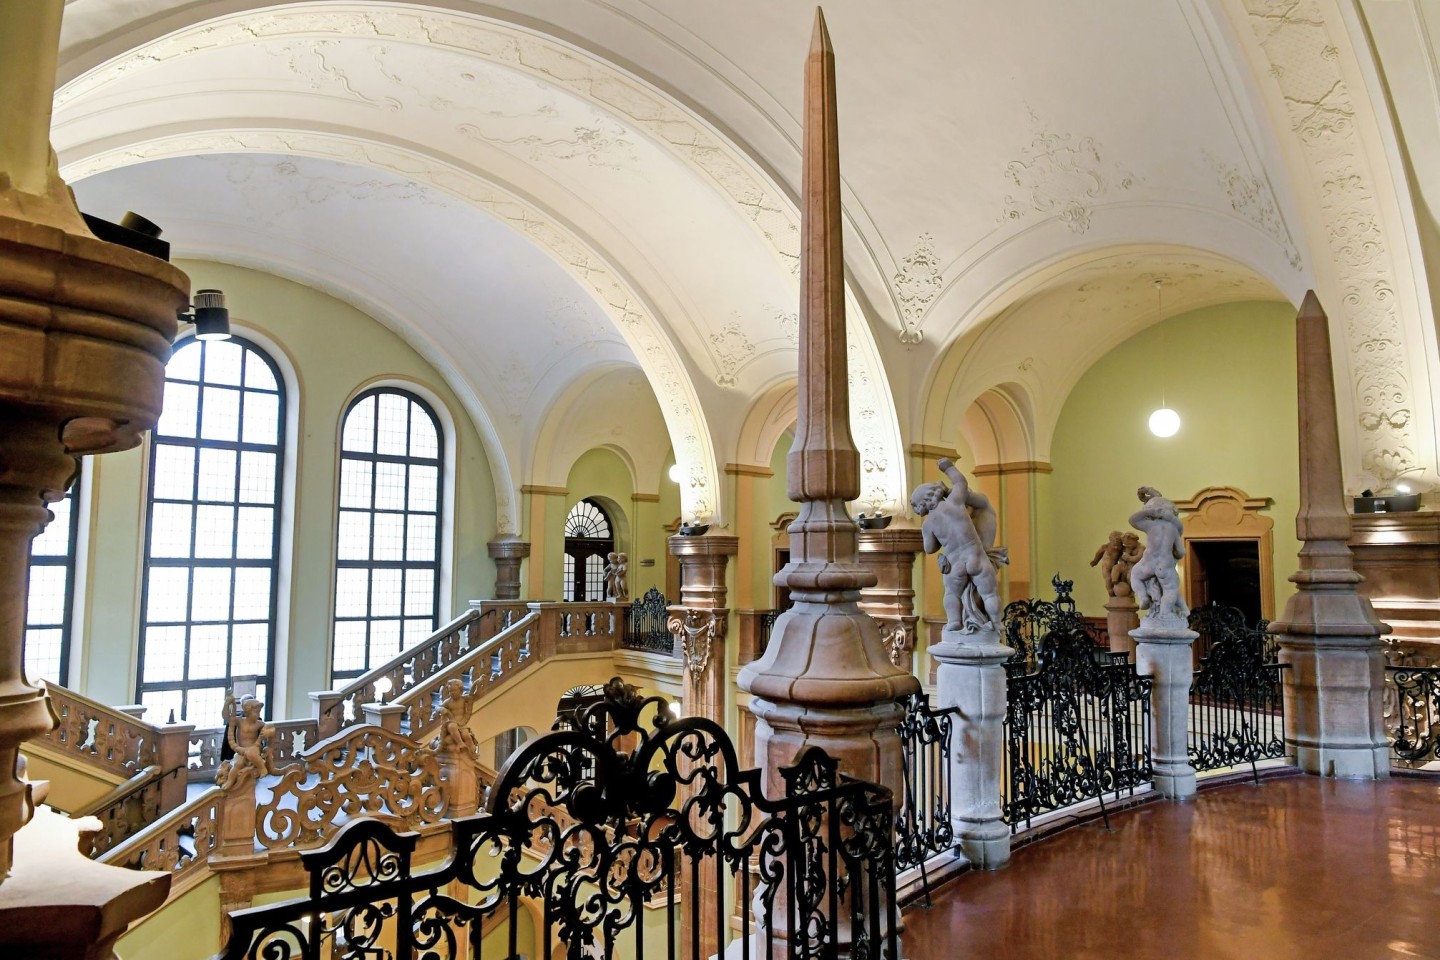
point(1164, 422)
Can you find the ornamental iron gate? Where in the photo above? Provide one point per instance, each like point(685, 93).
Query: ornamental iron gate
point(1076, 727)
point(1237, 707)
point(600, 827)
point(923, 828)
point(1412, 715)
point(645, 624)
point(1027, 622)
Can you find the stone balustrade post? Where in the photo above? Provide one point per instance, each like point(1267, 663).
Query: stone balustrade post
point(235, 831)
point(1162, 652)
point(172, 754)
point(328, 707)
point(386, 715)
point(971, 678)
point(461, 776)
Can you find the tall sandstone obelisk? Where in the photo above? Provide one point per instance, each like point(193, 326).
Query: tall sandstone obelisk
point(1329, 635)
point(825, 679)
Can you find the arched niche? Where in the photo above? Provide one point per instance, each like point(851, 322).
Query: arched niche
point(1227, 516)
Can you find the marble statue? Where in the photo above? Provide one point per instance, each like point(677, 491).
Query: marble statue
point(1116, 557)
point(1154, 578)
point(617, 585)
point(961, 524)
point(245, 732)
point(455, 737)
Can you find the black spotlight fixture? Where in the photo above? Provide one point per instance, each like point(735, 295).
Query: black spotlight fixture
point(211, 319)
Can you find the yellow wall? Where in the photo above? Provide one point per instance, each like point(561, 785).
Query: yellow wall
point(335, 350)
point(639, 525)
point(181, 930)
point(1229, 372)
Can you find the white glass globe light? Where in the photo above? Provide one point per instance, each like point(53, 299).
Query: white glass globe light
point(1164, 422)
point(676, 474)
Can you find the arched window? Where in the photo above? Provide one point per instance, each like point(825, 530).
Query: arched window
point(213, 530)
point(52, 592)
point(388, 543)
point(588, 538)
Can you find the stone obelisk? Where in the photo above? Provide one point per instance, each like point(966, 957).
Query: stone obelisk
point(826, 678)
point(1329, 635)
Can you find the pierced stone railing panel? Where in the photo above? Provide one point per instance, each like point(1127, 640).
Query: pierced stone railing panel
point(482, 669)
point(362, 771)
point(98, 735)
point(411, 666)
point(124, 811)
point(179, 842)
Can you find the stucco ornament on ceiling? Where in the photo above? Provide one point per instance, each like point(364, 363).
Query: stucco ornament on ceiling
point(1252, 198)
point(917, 283)
point(1304, 64)
point(732, 348)
point(1063, 176)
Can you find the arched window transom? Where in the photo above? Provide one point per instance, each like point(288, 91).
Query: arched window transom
point(588, 538)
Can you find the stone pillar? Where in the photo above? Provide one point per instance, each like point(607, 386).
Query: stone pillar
point(508, 552)
point(1328, 634)
point(385, 715)
point(1123, 616)
point(971, 677)
point(1162, 652)
point(85, 330)
point(890, 555)
point(698, 625)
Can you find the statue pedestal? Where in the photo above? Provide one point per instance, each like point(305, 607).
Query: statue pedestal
point(971, 677)
point(1123, 617)
point(1162, 652)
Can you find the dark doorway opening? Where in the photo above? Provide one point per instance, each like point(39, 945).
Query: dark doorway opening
point(1226, 572)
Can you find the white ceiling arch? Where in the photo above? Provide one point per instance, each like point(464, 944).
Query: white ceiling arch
point(592, 162)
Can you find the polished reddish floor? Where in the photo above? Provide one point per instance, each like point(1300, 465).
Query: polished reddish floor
point(1295, 869)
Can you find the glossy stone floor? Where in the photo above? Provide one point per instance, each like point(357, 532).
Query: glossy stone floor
point(1297, 868)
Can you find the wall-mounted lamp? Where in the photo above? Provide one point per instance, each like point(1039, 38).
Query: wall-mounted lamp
point(211, 319)
point(676, 474)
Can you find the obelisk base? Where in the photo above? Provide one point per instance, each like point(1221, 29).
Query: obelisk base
point(1162, 652)
point(1334, 687)
point(971, 678)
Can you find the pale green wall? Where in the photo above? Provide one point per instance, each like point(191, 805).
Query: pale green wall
point(185, 929)
point(335, 350)
point(1229, 371)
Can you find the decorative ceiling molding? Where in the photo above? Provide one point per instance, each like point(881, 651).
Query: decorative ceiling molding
point(1252, 198)
point(917, 283)
point(1062, 176)
point(1304, 65)
point(641, 330)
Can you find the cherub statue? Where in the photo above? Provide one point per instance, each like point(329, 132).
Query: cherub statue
point(622, 585)
point(245, 732)
point(455, 737)
point(961, 523)
point(1130, 554)
point(1108, 556)
point(1153, 578)
point(615, 588)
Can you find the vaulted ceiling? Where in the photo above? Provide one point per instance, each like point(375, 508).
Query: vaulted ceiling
point(549, 188)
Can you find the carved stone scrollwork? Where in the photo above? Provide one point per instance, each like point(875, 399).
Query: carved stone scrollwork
point(899, 640)
point(697, 631)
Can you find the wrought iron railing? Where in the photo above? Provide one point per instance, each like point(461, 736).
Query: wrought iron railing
point(922, 827)
point(1076, 728)
point(1028, 621)
point(767, 627)
point(645, 627)
point(1412, 715)
point(1237, 704)
point(601, 826)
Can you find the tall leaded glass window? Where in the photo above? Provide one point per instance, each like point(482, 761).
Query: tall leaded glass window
point(52, 593)
point(213, 530)
point(588, 538)
point(388, 543)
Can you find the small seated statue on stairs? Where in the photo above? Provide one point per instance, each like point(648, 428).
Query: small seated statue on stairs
point(455, 737)
point(245, 732)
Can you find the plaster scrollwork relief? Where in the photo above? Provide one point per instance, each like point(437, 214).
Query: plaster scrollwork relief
point(599, 146)
point(311, 61)
point(1304, 63)
point(1252, 198)
point(697, 631)
point(1063, 176)
point(789, 324)
point(917, 283)
point(732, 350)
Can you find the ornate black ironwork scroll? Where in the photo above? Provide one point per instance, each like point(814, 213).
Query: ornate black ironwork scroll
point(645, 627)
point(1028, 621)
point(1237, 706)
point(1412, 715)
point(592, 826)
point(923, 828)
point(1076, 728)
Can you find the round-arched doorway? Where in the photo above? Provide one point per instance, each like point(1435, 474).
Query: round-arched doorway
point(589, 537)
